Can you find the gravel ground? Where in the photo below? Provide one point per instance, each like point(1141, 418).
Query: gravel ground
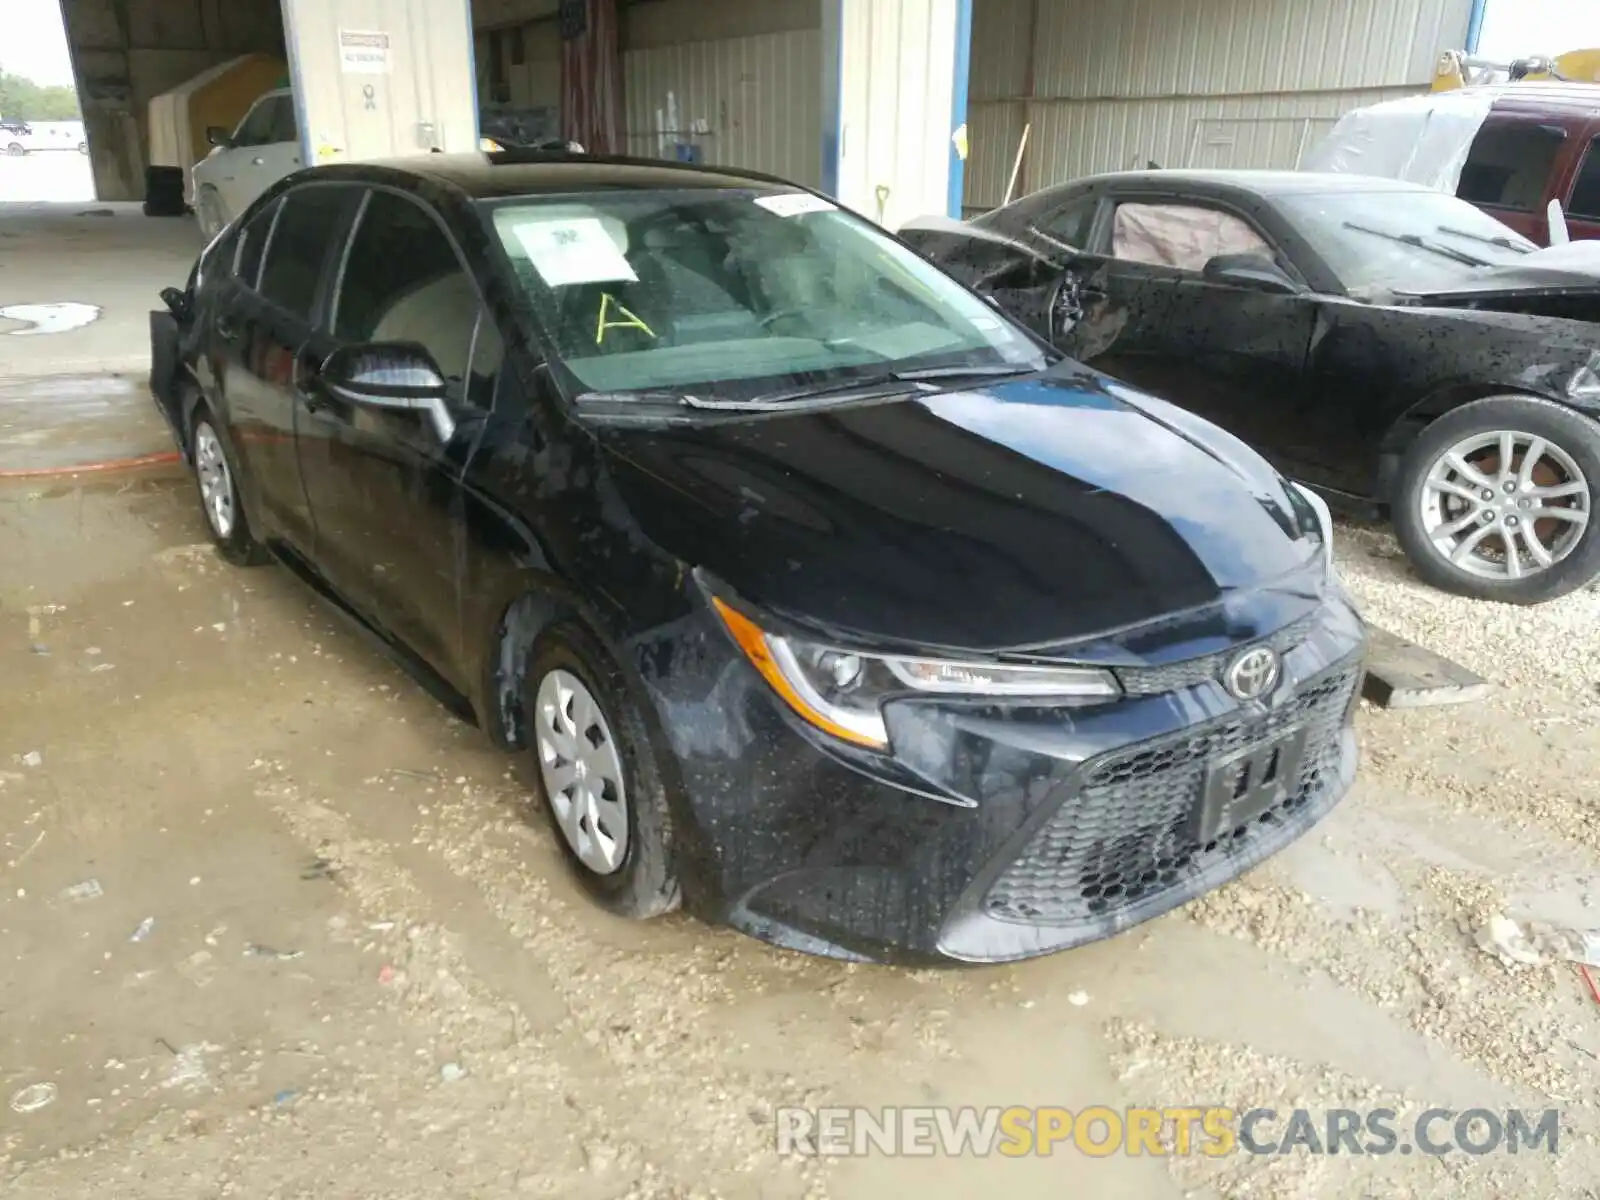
point(368, 976)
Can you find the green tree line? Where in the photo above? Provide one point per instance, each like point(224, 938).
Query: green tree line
point(24, 100)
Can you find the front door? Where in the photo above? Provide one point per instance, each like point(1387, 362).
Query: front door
point(1232, 354)
point(384, 485)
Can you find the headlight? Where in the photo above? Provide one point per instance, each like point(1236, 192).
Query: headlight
point(1324, 522)
point(842, 691)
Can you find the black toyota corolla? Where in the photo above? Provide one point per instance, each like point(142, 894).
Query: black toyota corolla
point(823, 598)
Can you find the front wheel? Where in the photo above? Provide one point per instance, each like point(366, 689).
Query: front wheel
point(1495, 501)
point(597, 776)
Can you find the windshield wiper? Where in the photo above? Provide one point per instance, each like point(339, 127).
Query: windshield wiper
point(1504, 243)
point(1412, 239)
point(886, 383)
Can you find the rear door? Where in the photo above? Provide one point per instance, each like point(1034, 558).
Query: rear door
point(271, 341)
point(1582, 198)
point(1510, 169)
point(384, 485)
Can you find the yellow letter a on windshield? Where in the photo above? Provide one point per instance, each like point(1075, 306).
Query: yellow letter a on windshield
point(629, 319)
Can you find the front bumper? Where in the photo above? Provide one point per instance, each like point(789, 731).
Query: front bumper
point(995, 832)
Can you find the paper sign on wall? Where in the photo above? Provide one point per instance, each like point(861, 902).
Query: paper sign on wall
point(573, 250)
point(794, 204)
point(363, 52)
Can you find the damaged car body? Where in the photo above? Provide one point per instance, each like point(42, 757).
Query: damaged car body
point(817, 596)
point(1394, 348)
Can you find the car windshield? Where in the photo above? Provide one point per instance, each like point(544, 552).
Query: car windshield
point(733, 293)
point(1403, 241)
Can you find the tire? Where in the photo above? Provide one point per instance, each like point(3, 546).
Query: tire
point(641, 881)
point(1438, 510)
point(227, 523)
point(209, 210)
point(16, 149)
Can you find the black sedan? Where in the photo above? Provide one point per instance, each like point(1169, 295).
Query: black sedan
point(1393, 347)
point(822, 598)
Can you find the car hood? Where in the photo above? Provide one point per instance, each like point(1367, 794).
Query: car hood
point(1020, 515)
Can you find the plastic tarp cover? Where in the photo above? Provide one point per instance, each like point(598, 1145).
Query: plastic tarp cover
point(1180, 235)
point(1420, 139)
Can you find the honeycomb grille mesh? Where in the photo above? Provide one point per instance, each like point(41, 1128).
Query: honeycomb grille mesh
point(1125, 835)
point(1174, 677)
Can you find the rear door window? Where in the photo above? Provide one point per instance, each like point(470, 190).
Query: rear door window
point(311, 221)
point(1584, 202)
point(252, 246)
point(1510, 164)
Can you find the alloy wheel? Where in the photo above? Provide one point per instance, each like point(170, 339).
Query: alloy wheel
point(1505, 505)
point(216, 482)
point(582, 772)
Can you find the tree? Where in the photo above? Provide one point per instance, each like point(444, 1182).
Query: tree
point(24, 100)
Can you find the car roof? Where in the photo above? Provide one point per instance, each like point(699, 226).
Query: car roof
point(1263, 183)
point(499, 174)
point(1544, 96)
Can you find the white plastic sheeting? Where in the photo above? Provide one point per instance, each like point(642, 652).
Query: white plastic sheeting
point(1420, 139)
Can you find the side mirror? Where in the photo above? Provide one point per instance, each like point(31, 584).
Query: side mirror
point(177, 302)
point(400, 376)
point(218, 136)
point(1255, 271)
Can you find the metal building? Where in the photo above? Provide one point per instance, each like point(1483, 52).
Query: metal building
point(898, 107)
point(1106, 85)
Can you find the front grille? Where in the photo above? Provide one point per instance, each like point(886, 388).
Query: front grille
point(1125, 835)
point(1174, 677)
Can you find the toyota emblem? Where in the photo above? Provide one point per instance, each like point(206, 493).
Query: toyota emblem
point(1253, 673)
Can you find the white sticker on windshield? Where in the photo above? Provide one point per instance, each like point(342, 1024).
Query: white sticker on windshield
point(794, 204)
point(573, 250)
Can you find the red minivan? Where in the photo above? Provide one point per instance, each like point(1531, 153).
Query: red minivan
point(1538, 145)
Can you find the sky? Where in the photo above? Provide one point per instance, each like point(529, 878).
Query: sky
point(1519, 28)
point(33, 44)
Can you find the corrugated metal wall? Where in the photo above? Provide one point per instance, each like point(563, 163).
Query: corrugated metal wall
point(1113, 84)
point(751, 102)
point(738, 80)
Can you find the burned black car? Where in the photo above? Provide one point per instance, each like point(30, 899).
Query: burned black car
point(817, 596)
point(1395, 348)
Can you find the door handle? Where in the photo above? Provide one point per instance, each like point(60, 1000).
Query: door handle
point(258, 162)
point(227, 330)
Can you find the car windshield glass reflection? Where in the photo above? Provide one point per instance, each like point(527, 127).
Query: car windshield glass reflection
point(1404, 241)
point(736, 293)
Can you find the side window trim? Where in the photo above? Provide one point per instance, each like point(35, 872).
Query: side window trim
point(239, 243)
point(438, 222)
point(331, 318)
point(316, 320)
point(1588, 161)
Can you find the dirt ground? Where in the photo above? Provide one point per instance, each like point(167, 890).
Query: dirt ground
point(274, 924)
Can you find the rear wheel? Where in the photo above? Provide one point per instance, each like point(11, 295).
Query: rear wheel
point(16, 149)
point(219, 496)
point(1495, 500)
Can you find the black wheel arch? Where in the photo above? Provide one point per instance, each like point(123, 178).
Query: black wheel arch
point(1442, 399)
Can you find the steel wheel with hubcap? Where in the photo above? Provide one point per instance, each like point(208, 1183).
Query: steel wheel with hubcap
point(598, 774)
point(219, 495)
point(582, 771)
point(1496, 500)
point(216, 482)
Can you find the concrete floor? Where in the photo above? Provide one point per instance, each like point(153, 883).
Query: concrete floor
point(273, 924)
